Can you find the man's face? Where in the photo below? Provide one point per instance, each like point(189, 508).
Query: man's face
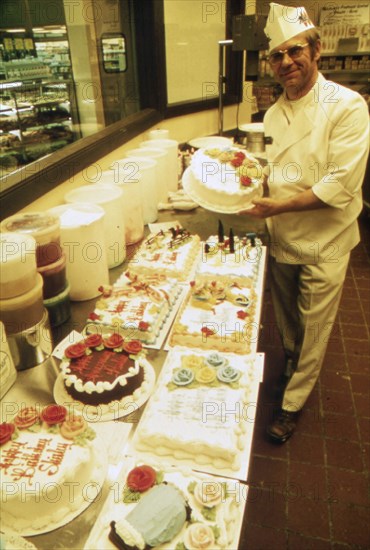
point(297, 76)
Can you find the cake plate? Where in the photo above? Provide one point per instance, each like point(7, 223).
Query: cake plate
point(211, 141)
point(189, 182)
point(112, 410)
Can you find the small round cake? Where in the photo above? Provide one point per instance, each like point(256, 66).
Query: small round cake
point(224, 180)
point(98, 370)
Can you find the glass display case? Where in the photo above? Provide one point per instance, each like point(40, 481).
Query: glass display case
point(36, 118)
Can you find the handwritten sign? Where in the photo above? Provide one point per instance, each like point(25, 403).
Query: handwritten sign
point(353, 14)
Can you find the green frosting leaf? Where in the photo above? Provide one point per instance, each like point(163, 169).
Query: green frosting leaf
point(86, 436)
point(129, 496)
point(35, 428)
point(159, 477)
point(216, 531)
point(225, 492)
point(209, 513)
point(191, 487)
point(53, 429)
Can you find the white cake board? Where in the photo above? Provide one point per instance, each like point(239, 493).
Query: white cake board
point(115, 509)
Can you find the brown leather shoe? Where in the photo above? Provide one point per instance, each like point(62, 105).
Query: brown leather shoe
point(283, 426)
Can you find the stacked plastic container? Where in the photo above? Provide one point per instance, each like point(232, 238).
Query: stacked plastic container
point(50, 260)
point(21, 298)
point(24, 319)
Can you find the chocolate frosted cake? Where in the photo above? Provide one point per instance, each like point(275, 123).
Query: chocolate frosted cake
point(98, 371)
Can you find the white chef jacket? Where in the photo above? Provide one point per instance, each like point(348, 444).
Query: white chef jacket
point(320, 141)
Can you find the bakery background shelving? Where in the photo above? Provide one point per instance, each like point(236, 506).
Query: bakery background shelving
point(36, 118)
point(54, 52)
point(348, 68)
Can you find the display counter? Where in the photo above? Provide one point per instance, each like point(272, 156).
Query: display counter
point(36, 385)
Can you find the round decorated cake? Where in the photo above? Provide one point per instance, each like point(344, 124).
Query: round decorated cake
point(225, 179)
point(46, 462)
point(100, 370)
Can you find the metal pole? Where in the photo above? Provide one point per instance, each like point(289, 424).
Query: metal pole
point(221, 80)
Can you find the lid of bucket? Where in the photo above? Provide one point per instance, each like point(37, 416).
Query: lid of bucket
point(252, 127)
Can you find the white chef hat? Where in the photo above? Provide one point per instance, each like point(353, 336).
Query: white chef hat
point(285, 22)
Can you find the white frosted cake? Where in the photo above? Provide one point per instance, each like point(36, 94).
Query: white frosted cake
point(171, 252)
point(46, 461)
point(197, 410)
point(218, 258)
point(136, 306)
point(217, 314)
point(226, 178)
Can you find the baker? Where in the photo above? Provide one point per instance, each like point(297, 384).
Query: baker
point(316, 164)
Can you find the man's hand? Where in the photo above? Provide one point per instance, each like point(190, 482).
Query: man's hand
point(264, 208)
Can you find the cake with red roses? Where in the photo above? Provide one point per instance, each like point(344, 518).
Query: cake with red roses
point(217, 314)
point(225, 180)
point(99, 370)
point(137, 306)
point(46, 459)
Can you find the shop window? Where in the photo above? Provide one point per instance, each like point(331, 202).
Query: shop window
point(126, 56)
point(114, 53)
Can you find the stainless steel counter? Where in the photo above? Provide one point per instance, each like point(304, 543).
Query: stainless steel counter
point(35, 385)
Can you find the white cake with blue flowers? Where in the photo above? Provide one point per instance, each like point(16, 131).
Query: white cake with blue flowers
point(197, 411)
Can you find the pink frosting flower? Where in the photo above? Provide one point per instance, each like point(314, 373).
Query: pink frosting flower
point(141, 478)
point(199, 536)
point(73, 426)
point(53, 414)
point(114, 341)
point(27, 417)
point(133, 347)
point(208, 493)
point(75, 351)
point(93, 341)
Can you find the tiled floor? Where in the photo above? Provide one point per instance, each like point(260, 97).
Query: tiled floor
point(312, 492)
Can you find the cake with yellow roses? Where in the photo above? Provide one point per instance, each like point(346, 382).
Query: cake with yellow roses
point(47, 459)
point(197, 412)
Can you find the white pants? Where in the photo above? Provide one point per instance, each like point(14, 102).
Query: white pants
point(306, 300)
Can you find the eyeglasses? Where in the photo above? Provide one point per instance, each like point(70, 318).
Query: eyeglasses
point(293, 52)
